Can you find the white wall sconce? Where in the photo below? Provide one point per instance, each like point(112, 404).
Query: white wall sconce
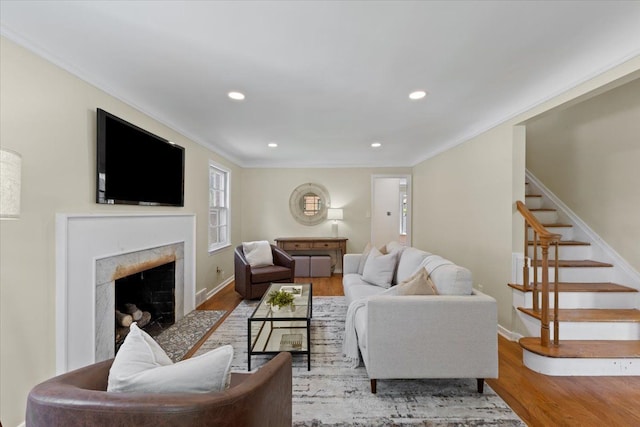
point(10, 170)
point(335, 215)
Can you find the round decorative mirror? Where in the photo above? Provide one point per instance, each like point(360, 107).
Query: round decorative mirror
point(308, 204)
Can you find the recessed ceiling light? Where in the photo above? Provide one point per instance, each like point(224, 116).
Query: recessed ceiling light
point(272, 145)
point(376, 145)
point(238, 96)
point(418, 94)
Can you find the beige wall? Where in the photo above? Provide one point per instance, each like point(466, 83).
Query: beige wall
point(463, 210)
point(48, 116)
point(589, 156)
point(265, 203)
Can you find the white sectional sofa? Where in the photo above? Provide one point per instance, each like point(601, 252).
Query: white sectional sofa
point(449, 335)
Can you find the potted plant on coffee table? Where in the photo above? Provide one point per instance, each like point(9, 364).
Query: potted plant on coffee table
point(280, 299)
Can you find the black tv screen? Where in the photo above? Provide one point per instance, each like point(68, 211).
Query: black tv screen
point(135, 166)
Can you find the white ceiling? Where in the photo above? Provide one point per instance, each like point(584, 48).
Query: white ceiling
point(325, 79)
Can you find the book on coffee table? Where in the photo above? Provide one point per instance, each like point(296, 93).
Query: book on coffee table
point(292, 289)
point(289, 341)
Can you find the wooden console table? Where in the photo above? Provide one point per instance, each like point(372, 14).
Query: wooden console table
point(308, 244)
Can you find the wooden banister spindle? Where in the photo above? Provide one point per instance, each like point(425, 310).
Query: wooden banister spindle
point(525, 266)
point(536, 289)
point(556, 324)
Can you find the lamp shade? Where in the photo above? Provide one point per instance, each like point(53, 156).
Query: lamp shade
point(333, 213)
point(10, 167)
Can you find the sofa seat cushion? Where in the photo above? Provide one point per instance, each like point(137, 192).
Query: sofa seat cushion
point(355, 288)
point(449, 278)
point(410, 261)
point(271, 273)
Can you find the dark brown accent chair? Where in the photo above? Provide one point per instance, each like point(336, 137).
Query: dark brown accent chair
point(252, 283)
point(79, 398)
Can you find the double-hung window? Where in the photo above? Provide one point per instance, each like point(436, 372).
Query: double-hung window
point(219, 209)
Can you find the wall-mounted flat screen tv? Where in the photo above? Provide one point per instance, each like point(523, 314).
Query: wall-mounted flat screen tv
point(136, 167)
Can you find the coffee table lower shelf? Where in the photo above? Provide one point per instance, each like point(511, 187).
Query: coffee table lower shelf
point(275, 336)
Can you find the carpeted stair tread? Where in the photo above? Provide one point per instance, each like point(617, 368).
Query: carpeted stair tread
point(543, 210)
point(581, 287)
point(575, 263)
point(583, 348)
point(589, 314)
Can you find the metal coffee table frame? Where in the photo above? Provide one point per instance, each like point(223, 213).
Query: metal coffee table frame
point(266, 329)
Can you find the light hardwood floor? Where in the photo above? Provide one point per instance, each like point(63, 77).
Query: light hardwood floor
point(538, 399)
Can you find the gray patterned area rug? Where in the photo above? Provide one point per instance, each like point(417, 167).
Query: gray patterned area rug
point(180, 337)
point(332, 394)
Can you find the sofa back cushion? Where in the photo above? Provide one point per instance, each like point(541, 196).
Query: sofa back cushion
point(450, 279)
point(411, 260)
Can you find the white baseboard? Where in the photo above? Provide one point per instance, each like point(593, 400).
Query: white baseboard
point(201, 293)
point(508, 334)
point(592, 367)
point(201, 296)
point(220, 286)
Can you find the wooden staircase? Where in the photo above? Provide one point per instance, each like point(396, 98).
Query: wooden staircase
point(598, 320)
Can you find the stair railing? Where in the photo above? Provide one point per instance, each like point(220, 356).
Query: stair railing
point(543, 238)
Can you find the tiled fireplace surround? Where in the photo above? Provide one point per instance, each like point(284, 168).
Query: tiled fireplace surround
point(112, 268)
point(92, 251)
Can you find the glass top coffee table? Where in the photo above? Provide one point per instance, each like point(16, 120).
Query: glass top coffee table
point(270, 332)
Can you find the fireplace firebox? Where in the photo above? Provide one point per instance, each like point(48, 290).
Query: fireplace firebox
point(149, 298)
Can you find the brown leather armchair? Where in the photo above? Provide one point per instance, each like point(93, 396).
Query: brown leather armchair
point(79, 398)
point(252, 283)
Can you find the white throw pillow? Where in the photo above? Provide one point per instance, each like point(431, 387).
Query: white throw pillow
point(379, 269)
point(258, 253)
point(363, 258)
point(142, 366)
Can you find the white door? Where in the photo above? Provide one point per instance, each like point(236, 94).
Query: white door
point(390, 209)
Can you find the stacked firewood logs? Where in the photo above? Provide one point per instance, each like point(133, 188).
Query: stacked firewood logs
point(130, 313)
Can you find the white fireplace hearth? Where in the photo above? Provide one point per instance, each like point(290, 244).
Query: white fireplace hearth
point(94, 250)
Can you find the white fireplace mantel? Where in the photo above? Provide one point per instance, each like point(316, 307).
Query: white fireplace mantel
point(81, 240)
